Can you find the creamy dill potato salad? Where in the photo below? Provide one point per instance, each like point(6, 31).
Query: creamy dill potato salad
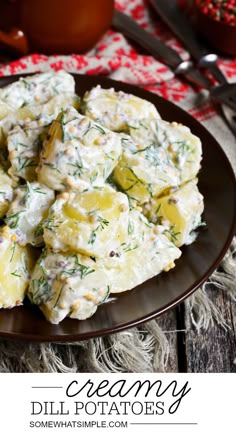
point(97, 194)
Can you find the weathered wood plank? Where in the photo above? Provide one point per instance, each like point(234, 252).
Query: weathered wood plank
point(214, 350)
point(181, 338)
point(168, 323)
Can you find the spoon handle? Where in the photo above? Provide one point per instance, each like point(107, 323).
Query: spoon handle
point(182, 27)
point(159, 49)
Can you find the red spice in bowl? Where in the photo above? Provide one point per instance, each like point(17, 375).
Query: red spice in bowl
point(216, 21)
point(220, 10)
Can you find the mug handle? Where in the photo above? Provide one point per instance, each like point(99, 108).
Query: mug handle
point(14, 42)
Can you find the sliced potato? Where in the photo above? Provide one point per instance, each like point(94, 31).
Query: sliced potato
point(144, 170)
point(24, 143)
point(183, 148)
point(65, 284)
point(116, 110)
point(180, 213)
point(79, 153)
point(54, 106)
point(145, 253)
point(42, 112)
point(16, 263)
point(90, 222)
point(29, 208)
point(6, 191)
point(5, 109)
point(10, 121)
point(128, 197)
point(37, 89)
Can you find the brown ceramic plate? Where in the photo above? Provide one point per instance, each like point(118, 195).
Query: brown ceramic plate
point(154, 297)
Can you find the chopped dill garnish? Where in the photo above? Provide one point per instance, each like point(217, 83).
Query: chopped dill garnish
point(38, 231)
point(49, 224)
point(130, 227)
point(79, 268)
point(16, 274)
point(92, 237)
point(143, 219)
point(127, 247)
point(59, 296)
point(102, 224)
point(52, 166)
point(13, 251)
point(27, 84)
point(94, 126)
point(41, 290)
point(38, 190)
point(143, 125)
point(158, 218)
point(108, 290)
point(25, 163)
point(13, 219)
point(79, 168)
point(172, 234)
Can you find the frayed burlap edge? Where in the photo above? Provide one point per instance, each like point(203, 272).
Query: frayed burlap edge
point(138, 350)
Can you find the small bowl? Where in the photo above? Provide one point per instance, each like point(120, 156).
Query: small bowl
point(219, 35)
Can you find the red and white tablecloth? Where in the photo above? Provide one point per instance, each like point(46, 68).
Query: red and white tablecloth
point(119, 59)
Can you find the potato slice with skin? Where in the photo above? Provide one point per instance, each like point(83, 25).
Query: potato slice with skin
point(144, 171)
point(90, 222)
point(116, 109)
point(79, 153)
point(65, 284)
point(15, 266)
point(179, 212)
point(27, 211)
point(6, 191)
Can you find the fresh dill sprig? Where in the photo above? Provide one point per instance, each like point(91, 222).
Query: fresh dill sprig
point(172, 234)
point(102, 224)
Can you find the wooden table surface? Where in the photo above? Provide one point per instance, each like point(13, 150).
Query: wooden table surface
point(210, 351)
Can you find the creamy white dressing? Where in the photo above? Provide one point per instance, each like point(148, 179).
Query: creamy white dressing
point(6, 191)
point(78, 284)
point(29, 207)
point(24, 143)
point(15, 266)
point(97, 238)
point(37, 89)
point(78, 154)
point(115, 109)
point(91, 222)
point(183, 149)
point(179, 212)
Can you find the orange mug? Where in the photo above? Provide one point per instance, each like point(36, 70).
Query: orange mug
point(53, 26)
